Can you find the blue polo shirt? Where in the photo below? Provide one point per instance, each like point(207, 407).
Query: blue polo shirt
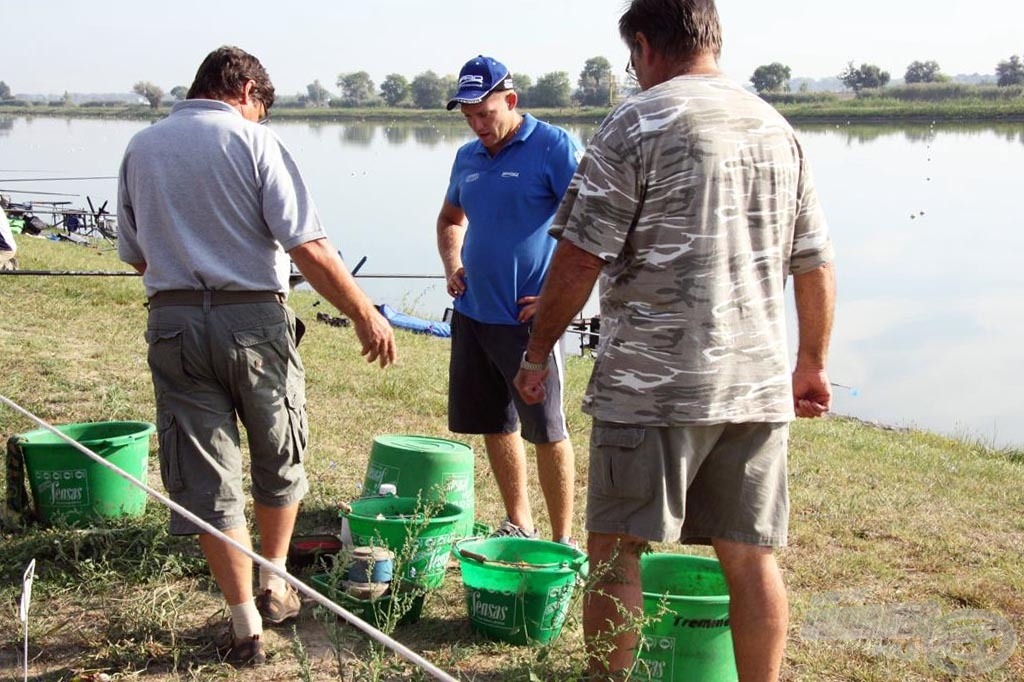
point(510, 201)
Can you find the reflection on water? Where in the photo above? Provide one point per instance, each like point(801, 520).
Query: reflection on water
point(428, 135)
point(396, 134)
point(925, 220)
point(915, 132)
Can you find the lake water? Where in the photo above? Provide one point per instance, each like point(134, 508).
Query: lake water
point(925, 220)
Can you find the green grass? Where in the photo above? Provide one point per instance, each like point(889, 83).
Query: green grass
point(879, 517)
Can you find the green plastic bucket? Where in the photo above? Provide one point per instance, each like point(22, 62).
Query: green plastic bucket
point(691, 641)
point(69, 487)
point(518, 590)
point(421, 466)
point(420, 536)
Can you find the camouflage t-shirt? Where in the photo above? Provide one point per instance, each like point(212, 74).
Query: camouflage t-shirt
point(697, 195)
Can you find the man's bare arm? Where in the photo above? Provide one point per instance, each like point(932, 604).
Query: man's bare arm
point(323, 268)
point(815, 294)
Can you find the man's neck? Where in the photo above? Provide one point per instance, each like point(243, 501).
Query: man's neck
point(493, 151)
point(704, 64)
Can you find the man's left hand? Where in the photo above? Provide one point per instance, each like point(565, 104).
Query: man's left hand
point(528, 307)
point(812, 392)
point(531, 385)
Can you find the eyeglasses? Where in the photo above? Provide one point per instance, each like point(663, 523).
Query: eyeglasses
point(255, 94)
point(266, 113)
point(630, 69)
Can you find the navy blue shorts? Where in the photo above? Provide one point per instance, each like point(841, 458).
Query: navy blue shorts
point(481, 397)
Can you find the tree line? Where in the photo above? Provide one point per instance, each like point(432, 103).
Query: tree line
point(775, 77)
point(596, 85)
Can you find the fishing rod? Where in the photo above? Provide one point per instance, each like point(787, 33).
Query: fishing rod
point(29, 170)
point(31, 204)
point(118, 273)
point(96, 177)
point(395, 276)
point(854, 391)
point(28, 191)
point(71, 273)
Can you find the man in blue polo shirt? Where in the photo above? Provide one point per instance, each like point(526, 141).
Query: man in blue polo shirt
point(492, 234)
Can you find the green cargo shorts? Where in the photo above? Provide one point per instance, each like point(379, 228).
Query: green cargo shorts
point(213, 368)
point(690, 483)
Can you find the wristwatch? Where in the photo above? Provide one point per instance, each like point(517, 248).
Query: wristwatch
point(533, 366)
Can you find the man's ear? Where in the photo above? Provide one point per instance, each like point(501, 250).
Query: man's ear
point(511, 99)
point(247, 91)
point(643, 48)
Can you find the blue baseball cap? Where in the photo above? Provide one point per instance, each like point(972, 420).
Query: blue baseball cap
point(480, 77)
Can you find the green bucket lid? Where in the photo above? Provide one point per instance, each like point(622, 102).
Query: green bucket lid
point(420, 444)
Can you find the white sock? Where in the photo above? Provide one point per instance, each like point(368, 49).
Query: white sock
point(271, 581)
point(246, 620)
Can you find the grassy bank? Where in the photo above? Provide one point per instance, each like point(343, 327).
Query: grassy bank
point(876, 109)
point(880, 518)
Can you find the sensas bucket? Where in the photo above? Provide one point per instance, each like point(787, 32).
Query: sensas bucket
point(687, 638)
point(424, 467)
point(518, 590)
point(420, 534)
point(70, 487)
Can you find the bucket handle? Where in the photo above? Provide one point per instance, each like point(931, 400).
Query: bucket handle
point(575, 564)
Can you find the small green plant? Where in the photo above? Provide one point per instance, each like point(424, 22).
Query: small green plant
point(302, 656)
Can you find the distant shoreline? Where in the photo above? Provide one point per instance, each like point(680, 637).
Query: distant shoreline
point(844, 111)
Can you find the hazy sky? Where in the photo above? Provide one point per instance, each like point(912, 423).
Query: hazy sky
point(50, 46)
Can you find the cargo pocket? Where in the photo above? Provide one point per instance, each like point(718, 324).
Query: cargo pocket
point(298, 421)
point(170, 457)
point(264, 352)
point(617, 467)
point(166, 361)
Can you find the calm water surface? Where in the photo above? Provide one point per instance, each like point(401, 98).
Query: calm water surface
point(925, 222)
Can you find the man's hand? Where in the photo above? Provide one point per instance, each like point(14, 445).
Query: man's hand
point(528, 308)
point(377, 338)
point(812, 392)
point(323, 268)
point(457, 283)
point(531, 385)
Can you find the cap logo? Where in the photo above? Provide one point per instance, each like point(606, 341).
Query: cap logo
point(469, 80)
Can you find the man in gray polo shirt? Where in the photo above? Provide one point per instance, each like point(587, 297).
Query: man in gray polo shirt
point(211, 206)
point(7, 246)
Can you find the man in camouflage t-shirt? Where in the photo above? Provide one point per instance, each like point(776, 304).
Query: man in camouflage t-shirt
point(694, 204)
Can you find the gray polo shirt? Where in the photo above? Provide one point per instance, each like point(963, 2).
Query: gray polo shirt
point(698, 197)
point(6, 234)
point(210, 200)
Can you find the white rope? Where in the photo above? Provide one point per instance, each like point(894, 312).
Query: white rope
point(370, 631)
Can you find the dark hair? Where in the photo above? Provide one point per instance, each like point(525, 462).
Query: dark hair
point(678, 29)
point(223, 75)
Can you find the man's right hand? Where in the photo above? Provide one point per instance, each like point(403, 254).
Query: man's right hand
point(457, 283)
point(378, 339)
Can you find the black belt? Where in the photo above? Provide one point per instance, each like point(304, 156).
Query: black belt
point(207, 298)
